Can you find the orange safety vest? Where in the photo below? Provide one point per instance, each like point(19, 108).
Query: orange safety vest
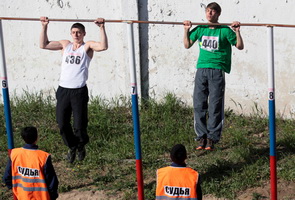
point(28, 180)
point(177, 183)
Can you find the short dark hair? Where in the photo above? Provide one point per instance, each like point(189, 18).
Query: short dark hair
point(29, 134)
point(79, 26)
point(214, 6)
point(178, 154)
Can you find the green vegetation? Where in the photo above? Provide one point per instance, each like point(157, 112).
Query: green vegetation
point(240, 161)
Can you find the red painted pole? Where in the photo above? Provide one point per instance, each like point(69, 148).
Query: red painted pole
point(272, 117)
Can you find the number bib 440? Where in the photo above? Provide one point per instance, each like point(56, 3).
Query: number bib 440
point(209, 43)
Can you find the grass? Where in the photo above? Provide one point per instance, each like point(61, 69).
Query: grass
point(240, 161)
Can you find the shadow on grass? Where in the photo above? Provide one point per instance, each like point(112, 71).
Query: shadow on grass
point(225, 167)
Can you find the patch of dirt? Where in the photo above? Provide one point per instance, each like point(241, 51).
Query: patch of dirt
point(212, 197)
point(86, 195)
point(286, 191)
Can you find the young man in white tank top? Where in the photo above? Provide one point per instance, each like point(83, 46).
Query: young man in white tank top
point(72, 93)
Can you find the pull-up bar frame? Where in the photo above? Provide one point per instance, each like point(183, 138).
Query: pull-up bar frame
point(145, 22)
point(271, 90)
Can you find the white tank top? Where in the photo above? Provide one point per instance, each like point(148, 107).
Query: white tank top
point(74, 67)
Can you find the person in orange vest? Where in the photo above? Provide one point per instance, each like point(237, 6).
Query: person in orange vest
point(178, 181)
point(29, 171)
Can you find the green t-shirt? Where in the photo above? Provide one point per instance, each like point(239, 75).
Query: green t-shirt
point(215, 46)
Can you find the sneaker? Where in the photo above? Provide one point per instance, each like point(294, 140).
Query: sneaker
point(81, 153)
point(71, 155)
point(210, 145)
point(202, 144)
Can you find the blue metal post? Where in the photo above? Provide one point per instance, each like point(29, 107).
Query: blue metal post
point(135, 112)
point(272, 115)
point(5, 93)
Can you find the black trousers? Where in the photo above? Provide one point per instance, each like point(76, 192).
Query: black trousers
point(73, 102)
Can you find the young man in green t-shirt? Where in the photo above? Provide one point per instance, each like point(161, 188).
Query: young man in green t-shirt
point(215, 43)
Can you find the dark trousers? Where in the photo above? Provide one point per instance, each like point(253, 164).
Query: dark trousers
point(208, 100)
point(73, 101)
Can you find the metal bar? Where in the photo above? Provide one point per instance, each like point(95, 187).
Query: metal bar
point(7, 111)
point(4, 83)
point(56, 20)
point(148, 22)
point(272, 117)
point(135, 113)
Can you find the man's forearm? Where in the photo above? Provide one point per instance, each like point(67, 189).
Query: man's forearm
point(240, 43)
point(186, 40)
point(43, 37)
point(7, 178)
point(103, 38)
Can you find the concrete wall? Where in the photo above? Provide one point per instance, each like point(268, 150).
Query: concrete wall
point(33, 69)
point(162, 62)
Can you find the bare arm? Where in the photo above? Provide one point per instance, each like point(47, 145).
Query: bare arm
point(44, 42)
point(186, 41)
point(236, 27)
point(102, 45)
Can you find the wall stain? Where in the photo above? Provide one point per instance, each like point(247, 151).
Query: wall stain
point(60, 3)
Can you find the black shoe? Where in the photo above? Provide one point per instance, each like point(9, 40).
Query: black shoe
point(81, 153)
point(71, 155)
point(210, 145)
point(202, 144)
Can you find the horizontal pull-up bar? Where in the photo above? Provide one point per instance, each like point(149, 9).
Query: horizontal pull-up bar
point(57, 20)
point(146, 22)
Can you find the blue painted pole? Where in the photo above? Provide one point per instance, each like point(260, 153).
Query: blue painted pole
point(5, 93)
point(135, 112)
point(272, 115)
